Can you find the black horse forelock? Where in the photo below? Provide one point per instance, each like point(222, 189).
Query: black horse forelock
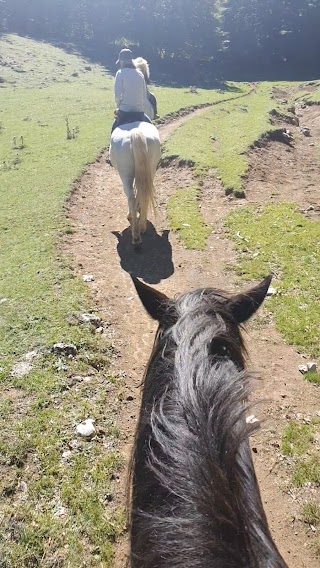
point(195, 497)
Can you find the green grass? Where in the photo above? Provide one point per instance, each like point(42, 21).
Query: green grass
point(5, 408)
point(44, 298)
point(302, 91)
point(296, 439)
point(314, 95)
point(44, 466)
point(185, 218)
point(31, 64)
point(221, 136)
point(34, 193)
point(43, 302)
point(58, 469)
point(277, 239)
point(316, 547)
point(307, 471)
point(313, 378)
point(299, 441)
point(234, 125)
point(311, 516)
point(173, 99)
point(311, 513)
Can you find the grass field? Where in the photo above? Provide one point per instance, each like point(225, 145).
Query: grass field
point(57, 503)
point(184, 216)
point(299, 443)
point(57, 491)
point(220, 137)
point(291, 252)
point(218, 140)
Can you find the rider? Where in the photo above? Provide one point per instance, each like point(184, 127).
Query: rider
point(143, 65)
point(130, 92)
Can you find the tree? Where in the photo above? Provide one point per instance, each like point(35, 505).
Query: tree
point(272, 37)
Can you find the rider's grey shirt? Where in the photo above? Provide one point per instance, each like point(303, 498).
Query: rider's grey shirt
point(130, 90)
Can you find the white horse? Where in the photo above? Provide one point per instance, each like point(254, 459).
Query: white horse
point(143, 66)
point(135, 153)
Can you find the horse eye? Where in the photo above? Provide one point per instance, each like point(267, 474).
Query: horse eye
point(218, 348)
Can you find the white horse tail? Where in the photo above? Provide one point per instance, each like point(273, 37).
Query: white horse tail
point(145, 192)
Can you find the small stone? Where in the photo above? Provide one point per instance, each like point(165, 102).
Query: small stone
point(64, 349)
point(251, 419)
point(23, 367)
point(23, 487)
point(61, 366)
point(130, 398)
point(3, 300)
point(91, 318)
point(271, 291)
point(66, 454)
point(86, 428)
point(303, 369)
point(99, 330)
point(88, 68)
point(88, 278)
point(75, 74)
point(185, 225)
point(305, 131)
point(108, 444)
point(60, 511)
point(312, 367)
point(73, 444)
point(241, 237)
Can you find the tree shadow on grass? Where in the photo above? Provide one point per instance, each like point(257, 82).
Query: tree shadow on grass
point(152, 261)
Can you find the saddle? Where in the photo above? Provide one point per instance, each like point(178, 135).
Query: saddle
point(128, 117)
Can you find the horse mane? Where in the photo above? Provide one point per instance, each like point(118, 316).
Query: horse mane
point(195, 498)
point(143, 65)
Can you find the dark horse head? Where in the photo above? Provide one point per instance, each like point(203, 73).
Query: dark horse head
point(195, 497)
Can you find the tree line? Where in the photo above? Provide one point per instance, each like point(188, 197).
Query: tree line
point(188, 41)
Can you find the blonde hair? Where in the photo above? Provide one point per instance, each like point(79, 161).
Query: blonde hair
point(143, 66)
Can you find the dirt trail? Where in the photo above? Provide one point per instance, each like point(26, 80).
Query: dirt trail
point(101, 242)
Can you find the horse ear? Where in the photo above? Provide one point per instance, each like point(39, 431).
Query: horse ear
point(153, 301)
point(244, 305)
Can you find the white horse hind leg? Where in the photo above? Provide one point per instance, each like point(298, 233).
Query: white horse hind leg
point(144, 175)
point(133, 213)
point(154, 158)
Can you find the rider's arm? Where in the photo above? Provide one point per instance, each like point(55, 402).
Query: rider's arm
point(118, 89)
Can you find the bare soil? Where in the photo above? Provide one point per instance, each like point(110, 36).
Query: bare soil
point(101, 245)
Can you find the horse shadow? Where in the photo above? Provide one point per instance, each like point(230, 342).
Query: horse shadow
point(152, 261)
